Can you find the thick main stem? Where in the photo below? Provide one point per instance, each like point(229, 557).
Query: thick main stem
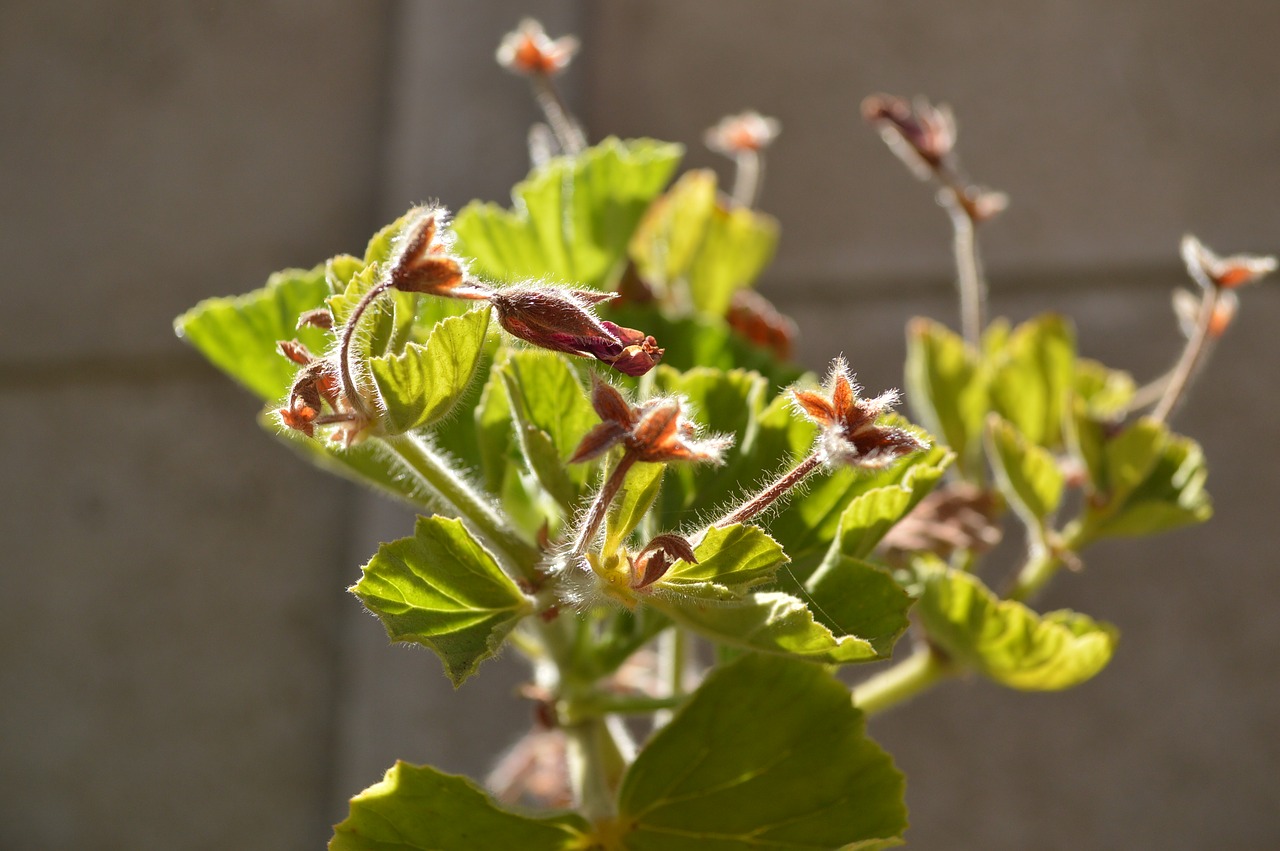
point(449, 487)
point(1196, 347)
point(900, 682)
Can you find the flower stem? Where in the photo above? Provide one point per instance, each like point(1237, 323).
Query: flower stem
point(349, 388)
point(451, 489)
point(566, 130)
point(969, 277)
point(600, 505)
point(1195, 349)
point(901, 682)
point(771, 493)
point(748, 178)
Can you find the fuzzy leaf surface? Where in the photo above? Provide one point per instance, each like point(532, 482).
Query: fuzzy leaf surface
point(417, 808)
point(441, 589)
point(768, 753)
point(421, 385)
point(735, 556)
point(1007, 641)
point(239, 335)
point(870, 515)
point(572, 217)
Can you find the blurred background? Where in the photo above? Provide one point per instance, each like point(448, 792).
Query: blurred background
point(182, 668)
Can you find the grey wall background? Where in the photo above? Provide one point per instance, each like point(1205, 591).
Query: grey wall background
point(181, 667)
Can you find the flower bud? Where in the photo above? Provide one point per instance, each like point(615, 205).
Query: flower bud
point(1223, 272)
point(921, 135)
point(528, 50)
point(746, 132)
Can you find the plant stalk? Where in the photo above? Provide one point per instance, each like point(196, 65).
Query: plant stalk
point(772, 492)
point(900, 682)
point(349, 388)
point(1196, 348)
point(559, 119)
point(748, 178)
point(970, 280)
point(600, 505)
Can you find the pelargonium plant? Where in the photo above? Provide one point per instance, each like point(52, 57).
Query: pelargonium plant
point(624, 478)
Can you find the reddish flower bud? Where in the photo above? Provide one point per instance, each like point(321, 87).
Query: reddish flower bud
point(528, 50)
point(422, 263)
point(657, 557)
point(318, 318)
point(655, 431)
point(1223, 272)
point(921, 135)
point(1186, 305)
point(747, 131)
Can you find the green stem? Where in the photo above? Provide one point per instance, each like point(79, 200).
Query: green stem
point(603, 703)
point(1041, 566)
point(969, 278)
point(450, 488)
point(748, 178)
point(900, 682)
point(595, 763)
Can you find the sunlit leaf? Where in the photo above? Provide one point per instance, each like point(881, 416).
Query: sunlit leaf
point(440, 588)
point(1106, 392)
point(769, 753)
point(870, 515)
point(1032, 377)
point(735, 556)
point(1028, 474)
point(946, 388)
point(417, 808)
point(572, 218)
point(852, 597)
point(239, 335)
point(422, 384)
point(1007, 641)
point(628, 509)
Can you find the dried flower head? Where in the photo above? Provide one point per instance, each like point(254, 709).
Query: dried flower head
point(657, 557)
point(422, 262)
point(1186, 305)
point(316, 385)
point(528, 50)
point(655, 431)
point(921, 135)
point(1208, 268)
point(754, 317)
point(956, 516)
point(746, 132)
point(850, 434)
point(565, 321)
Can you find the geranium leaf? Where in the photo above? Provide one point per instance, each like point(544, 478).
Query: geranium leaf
point(1027, 474)
point(768, 753)
point(629, 508)
point(441, 589)
point(1032, 376)
point(946, 387)
point(417, 808)
point(735, 556)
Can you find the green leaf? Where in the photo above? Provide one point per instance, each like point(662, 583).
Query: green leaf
point(422, 384)
point(1032, 377)
point(387, 323)
point(239, 335)
point(853, 597)
point(631, 505)
point(573, 216)
point(946, 387)
point(552, 415)
point(417, 808)
point(1153, 481)
point(1008, 642)
point(735, 556)
point(870, 515)
point(767, 621)
point(768, 753)
point(1028, 474)
point(441, 589)
point(1106, 392)
point(689, 236)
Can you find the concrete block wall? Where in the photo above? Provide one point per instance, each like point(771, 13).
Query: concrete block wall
point(182, 667)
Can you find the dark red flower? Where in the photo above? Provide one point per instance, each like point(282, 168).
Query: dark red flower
point(655, 431)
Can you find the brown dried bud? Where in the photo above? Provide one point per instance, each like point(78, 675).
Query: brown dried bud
point(754, 317)
point(921, 135)
point(956, 516)
point(1208, 268)
point(528, 50)
point(850, 434)
point(746, 132)
point(655, 431)
point(422, 262)
point(657, 557)
point(295, 351)
point(318, 318)
point(564, 321)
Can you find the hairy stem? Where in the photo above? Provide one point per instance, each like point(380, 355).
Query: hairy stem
point(748, 177)
point(772, 492)
point(901, 681)
point(565, 128)
point(449, 487)
point(349, 388)
point(969, 278)
point(1197, 347)
point(600, 505)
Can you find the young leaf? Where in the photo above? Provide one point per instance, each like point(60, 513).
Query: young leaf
point(946, 387)
point(416, 808)
point(441, 589)
point(767, 621)
point(870, 515)
point(631, 505)
point(1028, 474)
point(422, 384)
point(853, 597)
point(768, 753)
point(573, 216)
point(1106, 392)
point(1032, 377)
point(239, 335)
point(552, 414)
point(1007, 641)
point(735, 556)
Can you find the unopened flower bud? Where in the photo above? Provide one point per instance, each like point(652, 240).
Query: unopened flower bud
point(422, 262)
point(653, 562)
point(320, 318)
point(528, 50)
point(655, 431)
point(1223, 272)
point(1186, 305)
point(745, 132)
point(921, 135)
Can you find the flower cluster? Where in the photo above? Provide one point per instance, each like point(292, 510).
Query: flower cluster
point(1224, 273)
point(655, 431)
